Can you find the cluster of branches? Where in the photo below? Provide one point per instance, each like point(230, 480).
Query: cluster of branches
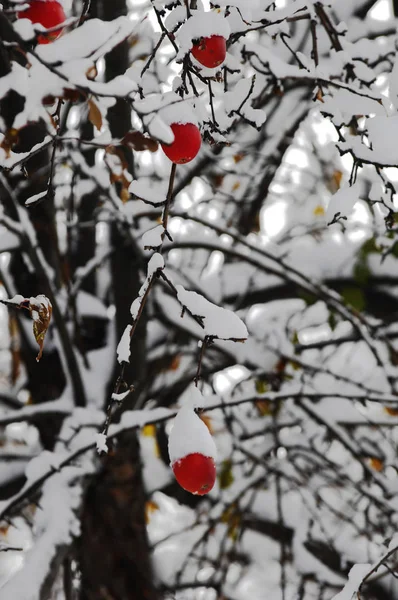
point(305, 411)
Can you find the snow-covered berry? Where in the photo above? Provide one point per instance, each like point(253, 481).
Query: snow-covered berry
point(186, 145)
point(195, 473)
point(210, 51)
point(48, 13)
point(192, 453)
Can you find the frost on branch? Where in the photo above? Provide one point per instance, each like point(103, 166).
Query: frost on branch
point(342, 202)
point(218, 322)
point(355, 578)
point(101, 444)
point(305, 413)
point(156, 262)
point(153, 237)
point(123, 350)
point(56, 525)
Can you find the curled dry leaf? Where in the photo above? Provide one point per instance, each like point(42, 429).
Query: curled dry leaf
point(94, 114)
point(10, 139)
point(40, 309)
point(139, 142)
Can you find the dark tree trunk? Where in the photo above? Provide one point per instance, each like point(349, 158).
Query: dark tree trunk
point(115, 560)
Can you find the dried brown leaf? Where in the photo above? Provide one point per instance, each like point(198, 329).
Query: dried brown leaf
point(94, 114)
point(139, 142)
point(150, 507)
point(319, 96)
point(9, 140)
point(40, 309)
point(92, 73)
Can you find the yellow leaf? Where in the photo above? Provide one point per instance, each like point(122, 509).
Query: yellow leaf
point(261, 386)
point(393, 412)
point(228, 513)
point(236, 186)
point(124, 195)
point(150, 507)
point(376, 464)
point(207, 421)
point(149, 430)
point(319, 211)
point(232, 518)
point(337, 176)
point(94, 114)
point(295, 365)
point(335, 181)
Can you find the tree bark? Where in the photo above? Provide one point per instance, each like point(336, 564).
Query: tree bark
point(114, 556)
point(114, 553)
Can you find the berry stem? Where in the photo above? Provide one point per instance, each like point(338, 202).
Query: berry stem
point(169, 197)
point(188, 9)
point(85, 11)
point(211, 96)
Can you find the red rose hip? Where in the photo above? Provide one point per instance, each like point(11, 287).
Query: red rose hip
point(210, 51)
point(186, 145)
point(48, 13)
point(195, 473)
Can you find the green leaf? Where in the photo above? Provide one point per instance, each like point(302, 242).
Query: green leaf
point(369, 247)
point(261, 386)
point(308, 298)
point(332, 320)
point(354, 296)
point(225, 476)
point(394, 249)
point(361, 271)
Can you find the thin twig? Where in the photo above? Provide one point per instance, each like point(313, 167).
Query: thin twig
point(169, 197)
point(205, 342)
point(120, 382)
point(85, 11)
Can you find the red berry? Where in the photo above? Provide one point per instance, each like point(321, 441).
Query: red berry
point(48, 13)
point(210, 51)
point(195, 473)
point(186, 145)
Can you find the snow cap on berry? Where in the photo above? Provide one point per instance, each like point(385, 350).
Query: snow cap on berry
point(201, 24)
point(189, 435)
point(25, 29)
point(177, 111)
